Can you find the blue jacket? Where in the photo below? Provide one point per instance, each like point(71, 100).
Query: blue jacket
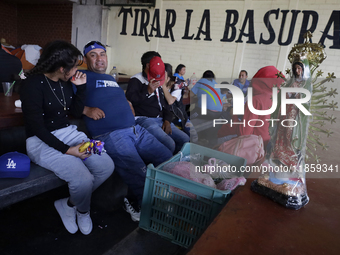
point(214, 96)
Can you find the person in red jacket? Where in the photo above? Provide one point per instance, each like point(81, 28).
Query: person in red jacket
point(262, 83)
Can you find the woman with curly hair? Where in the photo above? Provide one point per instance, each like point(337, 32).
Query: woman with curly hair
point(47, 98)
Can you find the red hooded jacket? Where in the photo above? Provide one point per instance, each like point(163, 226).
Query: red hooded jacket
point(262, 84)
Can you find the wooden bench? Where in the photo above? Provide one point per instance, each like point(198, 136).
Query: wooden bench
point(40, 180)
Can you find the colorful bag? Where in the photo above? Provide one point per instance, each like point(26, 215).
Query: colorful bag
point(249, 147)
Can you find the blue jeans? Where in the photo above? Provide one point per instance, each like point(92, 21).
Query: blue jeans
point(131, 149)
point(173, 142)
point(189, 129)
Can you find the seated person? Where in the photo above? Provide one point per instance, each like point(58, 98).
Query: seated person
point(242, 82)
point(206, 86)
point(145, 93)
point(10, 68)
point(262, 83)
point(110, 119)
point(180, 71)
point(173, 92)
point(227, 100)
point(53, 143)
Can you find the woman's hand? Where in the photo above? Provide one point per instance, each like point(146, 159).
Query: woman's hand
point(79, 78)
point(74, 151)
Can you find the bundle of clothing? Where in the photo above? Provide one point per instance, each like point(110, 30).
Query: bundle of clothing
point(188, 171)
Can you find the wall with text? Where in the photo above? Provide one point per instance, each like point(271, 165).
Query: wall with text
point(223, 36)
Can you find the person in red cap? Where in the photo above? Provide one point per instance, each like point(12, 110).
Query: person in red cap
point(152, 111)
point(156, 72)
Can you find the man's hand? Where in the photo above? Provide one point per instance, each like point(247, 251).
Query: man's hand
point(164, 87)
point(226, 106)
point(132, 109)
point(153, 85)
point(74, 151)
point(79, 78)
point(93, 113)
point(167, 127)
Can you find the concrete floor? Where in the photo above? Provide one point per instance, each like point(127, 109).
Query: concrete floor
point(33, 227)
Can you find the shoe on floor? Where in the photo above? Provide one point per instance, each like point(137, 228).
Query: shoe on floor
point(84, 222)
point(67, 215)
point(135, 216)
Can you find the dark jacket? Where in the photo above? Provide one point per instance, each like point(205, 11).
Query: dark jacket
point(179, 112)
point(145, 104)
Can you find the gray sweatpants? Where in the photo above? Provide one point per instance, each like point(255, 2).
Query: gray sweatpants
point(83, 177)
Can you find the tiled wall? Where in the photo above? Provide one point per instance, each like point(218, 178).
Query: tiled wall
point(8, 21)
point(40, 24)
point(35, 24)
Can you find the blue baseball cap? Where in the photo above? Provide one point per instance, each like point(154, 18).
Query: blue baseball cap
point(14, 165)
point(93, 45)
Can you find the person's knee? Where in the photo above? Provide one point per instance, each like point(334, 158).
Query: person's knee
point(186, 138)
point(166, 140)
point(82, 183)
point(167, 154)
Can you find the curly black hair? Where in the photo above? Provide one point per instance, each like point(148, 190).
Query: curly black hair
point(57, 54)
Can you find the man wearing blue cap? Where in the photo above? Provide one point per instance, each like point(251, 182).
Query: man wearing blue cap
point(110, 119)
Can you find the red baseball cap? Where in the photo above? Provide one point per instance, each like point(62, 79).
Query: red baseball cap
point(156, 70)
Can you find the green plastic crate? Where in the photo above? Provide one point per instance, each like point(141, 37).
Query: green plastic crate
point(177, 217)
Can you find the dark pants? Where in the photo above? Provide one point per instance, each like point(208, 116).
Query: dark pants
point(131, 149)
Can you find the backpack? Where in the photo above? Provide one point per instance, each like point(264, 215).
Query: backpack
point(179, 111)
point(249, 147)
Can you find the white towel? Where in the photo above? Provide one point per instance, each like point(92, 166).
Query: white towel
point(32, 53)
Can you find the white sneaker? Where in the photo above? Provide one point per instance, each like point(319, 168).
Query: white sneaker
point(67, 215)
point(135, 216)
point(84, 222)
